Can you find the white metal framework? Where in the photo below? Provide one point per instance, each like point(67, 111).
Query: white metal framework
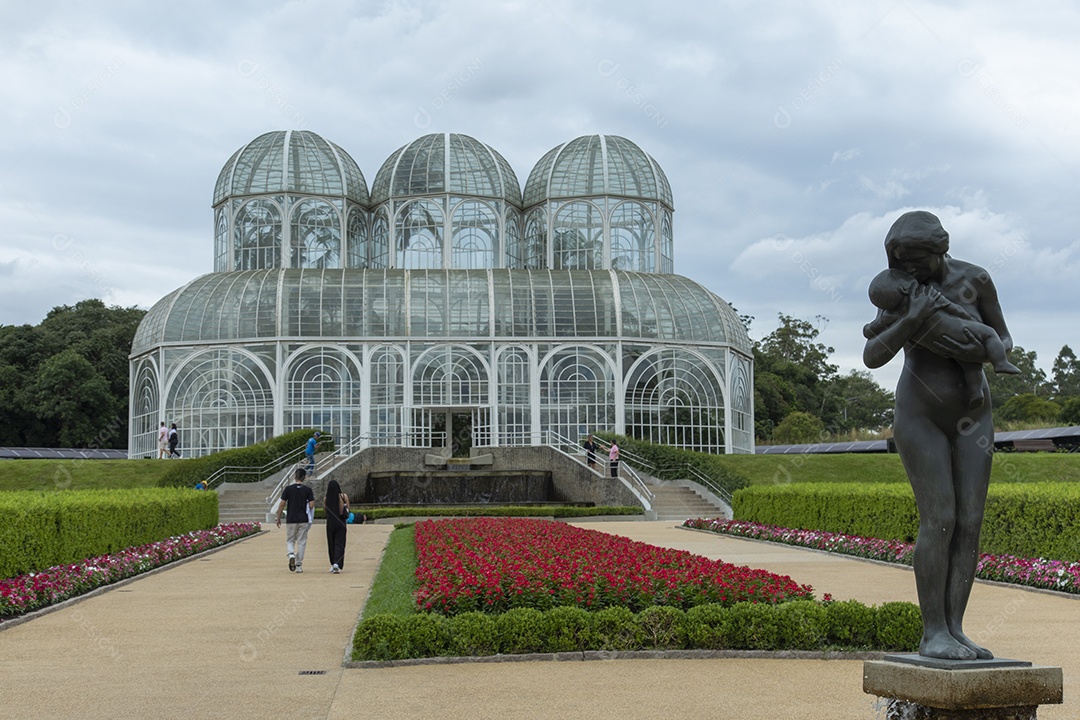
point(446, 307)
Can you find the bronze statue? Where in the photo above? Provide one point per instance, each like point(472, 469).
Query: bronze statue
point(943, 427)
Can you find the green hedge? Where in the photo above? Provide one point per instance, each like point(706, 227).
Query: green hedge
point(796, 625)
point(665, 456)
point(1023, 519)
point(45, 529)
point(185, 473)
point(557, 511)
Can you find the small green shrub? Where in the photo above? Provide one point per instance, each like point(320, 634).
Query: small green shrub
point(571, 629)
point(708, 627)
point(617, 629)
point(899, 626)
point(849, 623)
point(662, 627)
point(522, 631)
point(185, 473)
point(802, 624)
point(474, 633)
point(428, 634)
point(754, 626)
point(381, 637)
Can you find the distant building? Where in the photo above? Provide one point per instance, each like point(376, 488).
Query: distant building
point(443, 304)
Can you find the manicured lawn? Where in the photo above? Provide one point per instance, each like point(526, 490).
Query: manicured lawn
point(50, 475)
point(886, 468)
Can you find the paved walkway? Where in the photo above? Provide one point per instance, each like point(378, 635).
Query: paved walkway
point(228, 635)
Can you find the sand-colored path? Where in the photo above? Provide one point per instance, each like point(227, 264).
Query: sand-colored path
point(228, 635)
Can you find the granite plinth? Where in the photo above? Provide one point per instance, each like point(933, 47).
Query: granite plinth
point(969, 690)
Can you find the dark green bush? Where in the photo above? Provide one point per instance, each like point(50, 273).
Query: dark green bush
point(185, 473)
point(382, 637)
point(796, 625)
point(662, 627)
point(754, 626)
point(45, 529)
point(617, 629)
point(571, 629)
point(851, 624)
point(708, 627)
point(556, 511)
point(522, 631)
point(899, 626)
point(474, 633)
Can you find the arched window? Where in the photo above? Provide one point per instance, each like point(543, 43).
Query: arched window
point(633, 238)
point(356, 234)
point(144, 411)
point(577, 393)
point(322, 390)
point(673, 398)
point(316, 235)
point(515, 250)
point(387, 396)
point(742, 416)
point(221, 399)
point(667, 252)
point(474, 236)
point(419, 236)
point(578, 233)
point(450, 376)
point(257, 236)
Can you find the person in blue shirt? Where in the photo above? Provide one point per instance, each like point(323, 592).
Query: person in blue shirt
point(309, 452)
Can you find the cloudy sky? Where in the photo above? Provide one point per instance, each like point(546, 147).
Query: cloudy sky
point(793, 134)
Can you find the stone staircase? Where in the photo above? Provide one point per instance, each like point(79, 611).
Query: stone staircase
point(245, 502)
point(675, 504)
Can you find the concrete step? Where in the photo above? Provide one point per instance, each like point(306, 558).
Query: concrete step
point(673, 503)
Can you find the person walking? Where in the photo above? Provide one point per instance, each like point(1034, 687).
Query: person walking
point(309, 453)
point(336, 506)
point(613, 456)
point(298, 504)
point(174, 441)
point(162, 441)
point(590, 451)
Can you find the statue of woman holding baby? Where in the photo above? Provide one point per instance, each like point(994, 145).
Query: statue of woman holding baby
point(943, 428)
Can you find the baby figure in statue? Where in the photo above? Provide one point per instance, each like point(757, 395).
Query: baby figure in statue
point(891, 292)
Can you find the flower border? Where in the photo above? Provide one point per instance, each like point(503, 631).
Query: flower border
point(35, 591)
point(1057, 575)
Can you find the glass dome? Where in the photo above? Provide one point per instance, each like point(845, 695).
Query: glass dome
point(446, 163)
point(373, 304)
point(597, 165)
point(291, 161)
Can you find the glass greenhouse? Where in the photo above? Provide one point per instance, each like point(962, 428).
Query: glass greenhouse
point(444, 303)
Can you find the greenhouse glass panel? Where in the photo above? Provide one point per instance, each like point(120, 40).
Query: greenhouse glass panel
point(257, 236)
point(419, 233)
point(578, 233)
point(673, 397)
point(221, 239)
point(356, 236)
point(515, 396)
point(474, 230)
point(535, 251)
point(633, 239)
point(577, 392)
point(380, 240)
point(450, 376)
point(316, 235)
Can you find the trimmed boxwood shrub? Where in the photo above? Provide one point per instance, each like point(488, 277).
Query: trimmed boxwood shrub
point(796, 625)
point(1022, 519)
point(45, 529)
point(555, 511)
point(185, 473)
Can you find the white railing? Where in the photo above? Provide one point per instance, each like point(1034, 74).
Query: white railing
point(626, 473)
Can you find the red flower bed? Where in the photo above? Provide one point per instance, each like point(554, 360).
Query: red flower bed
point(495, 564)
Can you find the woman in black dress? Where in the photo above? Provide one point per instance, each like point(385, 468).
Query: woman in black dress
point(336, 506)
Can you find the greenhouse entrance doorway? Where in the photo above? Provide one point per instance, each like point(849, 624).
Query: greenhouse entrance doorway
point(460, 429)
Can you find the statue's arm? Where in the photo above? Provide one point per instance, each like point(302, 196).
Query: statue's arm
point(882, 347)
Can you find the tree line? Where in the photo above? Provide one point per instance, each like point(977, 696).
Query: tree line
point(799, 396)
point(64, 382)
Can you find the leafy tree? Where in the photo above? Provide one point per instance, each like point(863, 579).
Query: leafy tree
point(794, 342)
point(799, 427)
point(856, 402)
point(1066, 373)
point(65, 382)
point(1070, 412)
point(1029, 408)
point(1031, 380)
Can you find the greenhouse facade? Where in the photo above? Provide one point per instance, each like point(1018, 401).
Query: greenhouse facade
point(446, 306)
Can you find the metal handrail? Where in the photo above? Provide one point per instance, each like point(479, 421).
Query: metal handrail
point(640, 485)
point(699, 476)
point(219, 476)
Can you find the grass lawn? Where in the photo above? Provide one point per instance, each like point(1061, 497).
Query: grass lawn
point(394, 583)
point(50, 475)
point(887, 468)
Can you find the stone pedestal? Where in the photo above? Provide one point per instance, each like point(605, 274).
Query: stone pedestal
point(918, 688)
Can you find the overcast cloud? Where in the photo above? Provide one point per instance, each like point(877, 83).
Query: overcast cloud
point(793, 134)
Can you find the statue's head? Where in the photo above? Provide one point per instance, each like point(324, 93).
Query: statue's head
point(915, 243)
